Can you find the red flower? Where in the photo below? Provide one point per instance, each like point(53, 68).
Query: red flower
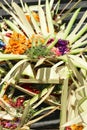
point(19, 101)
point(68, 128)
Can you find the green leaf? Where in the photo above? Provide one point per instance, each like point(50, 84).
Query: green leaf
point(50, 89)
point(13, 26)
point(77, 119)
point(63, 114)
point(43, 23)
point(52, 44)
point(35, 7)
point(66, 14)
point(49, 18)
point(21, 19)
point(48, 74)
point(22, 4)
point(28, 28)
point(10, 111)
point(83, 104)
point(57, 6)
point(37, 97)
point(63, 72)
point(81, 42)
point(79, 34)
point(75, 71)
point(35, 24)
point(4, 57)
point(51, 4)
point(78, 26)
point(6, 9)
point(28, 71)
point(43, 110)
point(57, 64)
point(71, 22)
point(71, 112)
point(78, 50)
point(26, 111)
point(79, 62)
point(39, 62)
point(8, 76)
point(7, 3)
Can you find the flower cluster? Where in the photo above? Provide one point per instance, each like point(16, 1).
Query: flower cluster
point(18, 104)
point(17, 44)
point(45, 59)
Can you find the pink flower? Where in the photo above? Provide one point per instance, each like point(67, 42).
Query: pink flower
point(56, 51)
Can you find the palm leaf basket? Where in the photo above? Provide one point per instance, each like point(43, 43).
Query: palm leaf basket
point(43, 60)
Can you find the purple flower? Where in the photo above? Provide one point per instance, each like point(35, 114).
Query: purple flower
point(7, 125)
point(63, 42)
point(62, 45)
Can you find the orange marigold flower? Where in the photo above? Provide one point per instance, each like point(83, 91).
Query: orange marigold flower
point(28, 17)
point(35, 15)
point(5, 98)
point(17, 44)
point(77, 127)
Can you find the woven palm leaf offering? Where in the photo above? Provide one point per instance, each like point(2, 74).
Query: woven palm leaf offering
point(42, 60)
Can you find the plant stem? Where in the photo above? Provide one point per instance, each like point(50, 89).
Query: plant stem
point(44, 97)
point(64, 103)
point(26, 111)
point(41, 117)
